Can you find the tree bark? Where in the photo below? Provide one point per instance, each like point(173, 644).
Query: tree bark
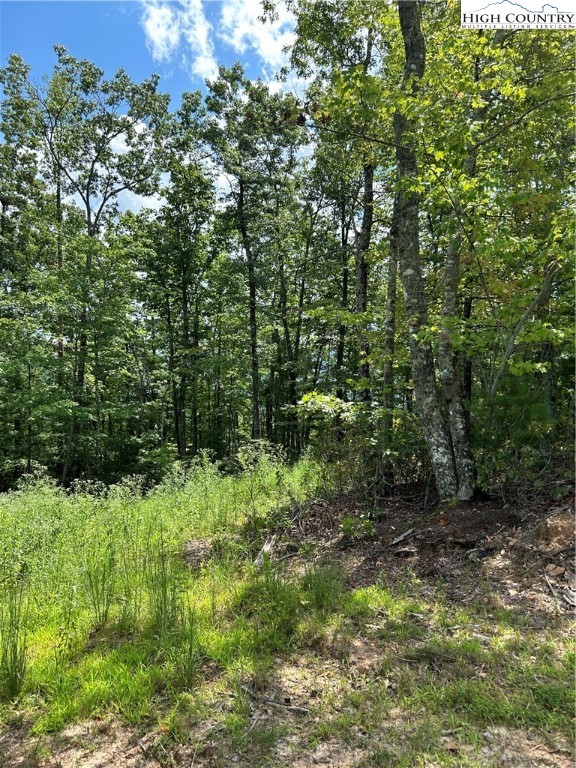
point(390, 351)
point(450, 379)
point(254, 365)
point(344, 234)
point(362, 247)
point(407, 204)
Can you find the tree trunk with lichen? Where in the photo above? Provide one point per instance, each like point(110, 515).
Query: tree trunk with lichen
point(407, 203)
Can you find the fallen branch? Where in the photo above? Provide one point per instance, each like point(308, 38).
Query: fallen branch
point(272, 703)
point(560, 550)
point(550, 585)
point(402, 536)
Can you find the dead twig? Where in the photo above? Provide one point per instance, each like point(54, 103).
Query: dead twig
point(560, 550)
point(272, 703)
point(402, 537)
point(550, 585)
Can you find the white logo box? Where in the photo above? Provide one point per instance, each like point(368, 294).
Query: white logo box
point(527, 14)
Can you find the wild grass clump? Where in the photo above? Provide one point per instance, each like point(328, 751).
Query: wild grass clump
point(13, 636)
point(95, 567)
point(99, 571)
point(163, 584)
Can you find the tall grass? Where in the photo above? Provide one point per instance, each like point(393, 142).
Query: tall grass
point(163, 582)
point(13, 636)
point(108, 563)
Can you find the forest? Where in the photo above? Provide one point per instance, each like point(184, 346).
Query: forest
point(384, 267)
point(237, 330)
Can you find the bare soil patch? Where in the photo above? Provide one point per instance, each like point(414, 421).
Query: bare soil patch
point(524, 555)
point(93, 744)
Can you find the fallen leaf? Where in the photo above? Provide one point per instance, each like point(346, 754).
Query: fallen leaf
point(555, 570)
point(450, 744)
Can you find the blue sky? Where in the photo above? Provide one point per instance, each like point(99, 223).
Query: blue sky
point(182, 40)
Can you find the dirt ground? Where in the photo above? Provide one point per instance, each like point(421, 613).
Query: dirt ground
point(527, 551)
point(525, 561)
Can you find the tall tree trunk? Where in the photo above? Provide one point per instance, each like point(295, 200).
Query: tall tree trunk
point(450, 379)
point(467, 365)
point(344, 234)
point(390, 350)
point(174, 384)
point(184, 361)
point(219, 432)
point(97, 410)
point(407, 205)
point(279, 397)
point(362, 247)
point(196, 351)
point(83, 351)
point(363, 240)
point(254, 365)
point(59, 265)
point(4, 203)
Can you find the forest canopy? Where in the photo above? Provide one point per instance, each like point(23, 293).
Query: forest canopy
point(377, 271)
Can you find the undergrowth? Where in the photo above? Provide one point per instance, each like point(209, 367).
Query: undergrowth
point(102, 615)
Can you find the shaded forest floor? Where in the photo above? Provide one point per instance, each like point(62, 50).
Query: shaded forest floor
point(419, 638)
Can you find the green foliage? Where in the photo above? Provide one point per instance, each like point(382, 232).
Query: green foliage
point(99, 570)
point(232, 308)
point(162, 582)
point(357, 528)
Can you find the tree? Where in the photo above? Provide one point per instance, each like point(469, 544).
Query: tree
point(96, 139)
point(254, 135)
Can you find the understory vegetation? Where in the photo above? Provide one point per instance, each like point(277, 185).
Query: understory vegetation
point(162, 609)
point(77, 566)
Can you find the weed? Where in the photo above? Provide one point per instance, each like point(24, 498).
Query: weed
point(13, 636)
point(356, 528)
point(131, 557)
point(189, 656)
point(163, 584)
point(67, 635)
point(99, 571)
point(322, 587)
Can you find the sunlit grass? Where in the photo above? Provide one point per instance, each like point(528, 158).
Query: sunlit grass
point(160, 645)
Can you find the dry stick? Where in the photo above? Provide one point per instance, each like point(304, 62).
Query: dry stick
point(271, 702)
point(560, 550)
point(402, 536)
point(550, 585)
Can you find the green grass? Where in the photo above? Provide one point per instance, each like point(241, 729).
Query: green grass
point(113, 623)
point(83, 572)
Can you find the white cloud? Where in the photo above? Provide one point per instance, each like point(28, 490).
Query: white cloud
point(181, 29)
point(169, 25)
point(131, 201)
point(242, 28)
point(162, 30)
point(197, 31)
point(119, 144)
